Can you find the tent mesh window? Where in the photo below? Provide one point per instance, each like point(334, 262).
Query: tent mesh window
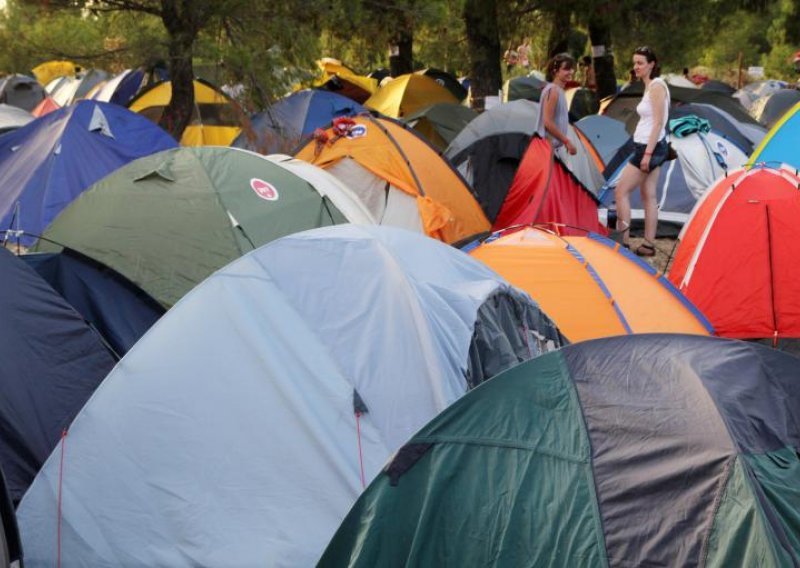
point(508, 331)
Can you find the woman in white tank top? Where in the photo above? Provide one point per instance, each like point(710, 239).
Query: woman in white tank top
point(650, 151)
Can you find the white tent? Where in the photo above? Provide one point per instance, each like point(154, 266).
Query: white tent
point(245, 423)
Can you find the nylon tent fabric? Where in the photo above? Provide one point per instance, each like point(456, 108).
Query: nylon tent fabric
point(215, 118)
point(77, 87)
point(400, 178)
point(115, 307)
point(622, 106)
point(487, 153)
point(718, 86)
point(281, 127)
point(543, 191)
point(446, 80)
point(339, 358)
point(528, 87)
point(440, 123)
point(736, 260)
point(589, 285)
point(581, 102)
point(779, 146)
point(49, 162)
point(691, 460)
point(52, 362)
point(702, 159)
point(768, 110)
point(745, 137)
point(748, 94)
point(21, 91)
point(408, 94)
point(342, 80)
point(49, 70)
point(168, 221)
point(12, 117)
point(47, 106)
point(605, 135)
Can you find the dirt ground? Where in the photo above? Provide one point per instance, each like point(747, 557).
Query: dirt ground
point(664, 248)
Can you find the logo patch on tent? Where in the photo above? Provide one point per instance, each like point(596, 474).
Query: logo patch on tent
point(358, 131)
point(264, 190)
point(721, 148)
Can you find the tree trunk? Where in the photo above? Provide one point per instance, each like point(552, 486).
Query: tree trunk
point(401, 58)
point(182, 25)
point(602, 57)
point(558, 41)
point(483, 40)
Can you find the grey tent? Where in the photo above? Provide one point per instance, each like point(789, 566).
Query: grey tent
point(12, 117)
point(21, 91)
point(770, 108)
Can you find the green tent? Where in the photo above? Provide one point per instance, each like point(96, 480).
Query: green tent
point(646, 450)
point(169, 220)
point(440, 123)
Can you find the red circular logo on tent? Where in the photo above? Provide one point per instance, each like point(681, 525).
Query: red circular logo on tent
point(264, 190)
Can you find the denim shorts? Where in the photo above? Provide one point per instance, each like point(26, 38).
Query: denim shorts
point(659, 154)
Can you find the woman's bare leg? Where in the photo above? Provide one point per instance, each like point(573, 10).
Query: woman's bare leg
point(630, 178)
point(648, 191)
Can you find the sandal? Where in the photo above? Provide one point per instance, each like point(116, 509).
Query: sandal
point(646, 249)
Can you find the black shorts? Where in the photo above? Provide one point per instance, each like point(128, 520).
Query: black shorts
point(659, 154)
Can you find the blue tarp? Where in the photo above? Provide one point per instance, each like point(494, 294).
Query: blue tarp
point(280, 128)
point(118, 309)
point(46, 164)
point(52, 361)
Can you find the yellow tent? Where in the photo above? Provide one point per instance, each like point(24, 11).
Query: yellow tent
point(407, 94)
point(49, 70)
point(215, 121)
point(344, 81)
point(399, 178)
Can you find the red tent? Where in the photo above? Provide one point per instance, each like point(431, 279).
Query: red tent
point(737, 260)
point(47, 105)
point(544, 191)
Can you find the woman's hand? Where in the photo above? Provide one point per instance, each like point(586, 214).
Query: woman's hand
point(571, 147)
point(644, 165)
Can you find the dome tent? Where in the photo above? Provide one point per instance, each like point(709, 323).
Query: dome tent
point(779, 146)
point(407, 94)
point(398, 177)
point(52, 363)
point(49, 162)
point(690, 460)
point(338, 360)
point(737, 256)
point(168, 221)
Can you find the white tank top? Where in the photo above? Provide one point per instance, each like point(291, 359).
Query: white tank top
point(645, 110)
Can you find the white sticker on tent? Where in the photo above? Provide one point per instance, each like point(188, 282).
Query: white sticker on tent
point(357, 131)
point(264, 190)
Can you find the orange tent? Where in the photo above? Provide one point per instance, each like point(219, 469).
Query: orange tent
point(398, 176)
point(588, 285)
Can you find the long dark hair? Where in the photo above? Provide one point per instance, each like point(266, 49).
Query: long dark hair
point(555, 64)
point(650, 56)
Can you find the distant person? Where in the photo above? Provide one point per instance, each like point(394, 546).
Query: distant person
point(686, 73)
point(650, 151)
point(511, 58)
point(553, 122)
point(589, 80)
point(524, 52)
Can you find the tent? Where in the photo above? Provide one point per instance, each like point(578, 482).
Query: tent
point(679, 81)
point(489, 150)
point(215, 120)
point(10, 544)
point(737, 257)
point(588, 284)
point(622, 106)
point(602, 136)
point(527, 87)
point(407, 94)
point(49, 162)
point(544, 191)
point(344, 81)
point(440, 123)
point(779, 146)
point(285, 388)
point(77, 87)
point(123, 87)
point(47, 106)
point(49, 70)
point(446, 80)
point(115, 307)
point(12, 117)
point(769, 109)
point(751, 92)
point(282, 126)
point(167, 221)
point(718, 86)
point(21, 91)
point(581, 102)
point(654, 450)
point(399, 178)
point(52, 362)
point(702, 158)
point(745, 135)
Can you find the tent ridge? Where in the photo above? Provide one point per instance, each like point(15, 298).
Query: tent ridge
point(507, 444)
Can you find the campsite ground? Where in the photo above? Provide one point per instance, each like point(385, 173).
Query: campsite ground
point(664, 248)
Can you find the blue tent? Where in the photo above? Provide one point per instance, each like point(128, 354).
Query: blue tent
point(606, 135)
point(46, 164)
point(52, 361)
point(117, 308)
point(281, 127)
point(780, 144)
